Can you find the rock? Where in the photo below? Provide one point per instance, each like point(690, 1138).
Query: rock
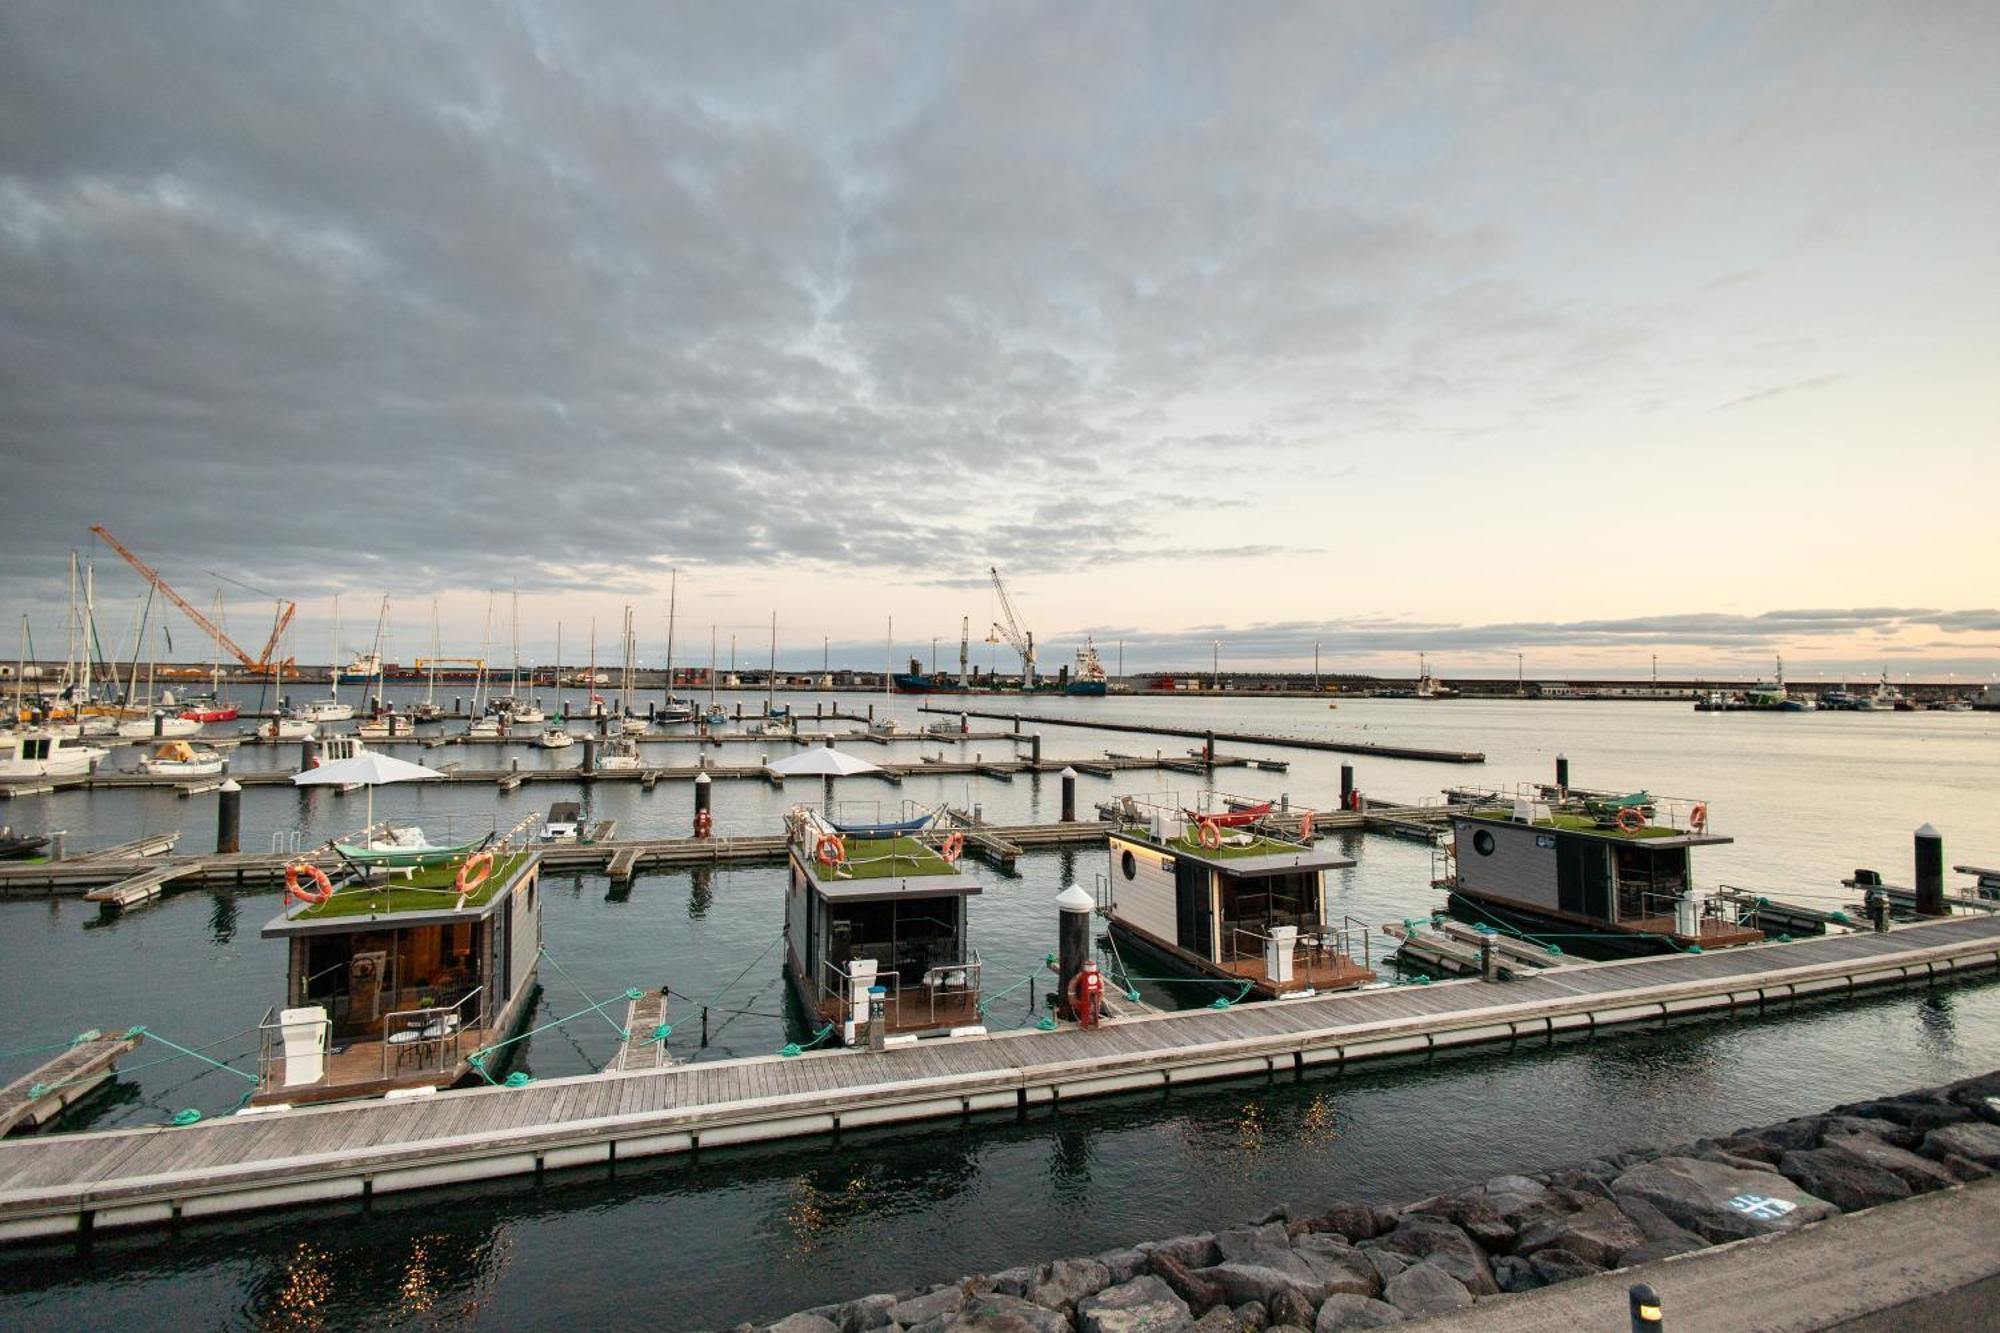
point(1913, 1112)
point(1652, 1223)
point(1252, 1317)
point(1976, 1141)
point(1067, 1281)
point(1599, 1233)
point(1664, 1248)
point(1576, 1180)
point(1964, 1168)
point(1201, 1294)
point(1553, 1266)
point(1721, 1202)
point(865, 1313)
point(1447, 1247)
point(1288, 1308)
point(1515, 1274)
point(1014, 1281)
point(992, 1312)
point(1746, 1146)
point(1342, 1312)
point(1142, 1305)
point(1900, 1136)
point(1355, 1221)
point(804, 1323)
point(1123, 1265)
point(1473, 1214)
point(922, 1309)
point(1731, 1159)
point(1843, 1179)
point(1793, 1134)
point(1386, 1263)
point(1219, 1320)
point(1281, 1215)
point(1187, 1251)
point(1258, 1265)
point(1425, 1289)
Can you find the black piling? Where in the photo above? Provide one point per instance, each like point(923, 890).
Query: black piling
point(1068, 795)
point(1035, 750)
point(1930, 872)
point(589, 755)
point(703, 821)
point(1347, 786)
point(229, 817)
point(159, 723)
point(1646, 1314)
point(308, 754)
point(1072, 941)
point(1562, 773)
point(1208, 749)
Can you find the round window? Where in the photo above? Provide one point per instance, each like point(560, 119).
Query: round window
point(1482, 842)
point(1130, 865)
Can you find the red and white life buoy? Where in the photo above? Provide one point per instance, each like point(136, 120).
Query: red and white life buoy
point(1698, 818)
point(1631, 819)
point(467, 880)
point(1211, 834)
point(953, 848)
point(293, 889)
point(831, 851)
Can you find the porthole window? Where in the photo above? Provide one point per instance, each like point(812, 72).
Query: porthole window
point(1130, 865)
point(1482, 842)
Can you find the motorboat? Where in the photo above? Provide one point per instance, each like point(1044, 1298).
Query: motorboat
point(287, 729)
point(327, 710)
point(555, 737)
point(617, 754)
point(633, 726)
point(387, 726)
point(564, 824)
point(160, 724)
point(209, 709)
point(44, 753)
point(14, 846)
point(181, 760)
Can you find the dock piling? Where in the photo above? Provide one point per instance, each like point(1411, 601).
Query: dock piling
point(1646, 1316)
point(1347, 786)
point(1073, 940)
point(590, 752)
point(229, 817)
point(56, 841)
point(704, 822)
point(1489, 958)
point(1930, 872)
point(1068, 792)
point(1562, 774)
point(1035, 750)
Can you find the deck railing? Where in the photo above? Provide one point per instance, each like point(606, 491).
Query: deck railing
point(1311, 942)
point(432, 1037)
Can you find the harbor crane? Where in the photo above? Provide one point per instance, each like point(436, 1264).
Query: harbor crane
point(1008, 627)
point(261, 664)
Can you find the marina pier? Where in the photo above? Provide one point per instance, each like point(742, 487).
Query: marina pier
point(1369, 748)
point(77, 1184)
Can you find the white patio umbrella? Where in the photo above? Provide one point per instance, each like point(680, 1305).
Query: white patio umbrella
point(821, 762)
point(371, 769)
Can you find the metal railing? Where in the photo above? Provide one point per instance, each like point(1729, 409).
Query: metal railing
point(432, 1037)
point(1311, 943)
point(940, 981)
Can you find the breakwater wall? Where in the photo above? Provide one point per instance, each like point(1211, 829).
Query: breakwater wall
point(1326, 1266)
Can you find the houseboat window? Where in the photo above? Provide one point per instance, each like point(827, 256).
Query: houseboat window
point(1255, 905)
point(1130, 865)
point(1649, 879)
point(905, 938)
point(1482, 842)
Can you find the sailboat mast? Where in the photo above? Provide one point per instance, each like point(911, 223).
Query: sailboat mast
point(430, 695)
point(711, 668)
point(673, 595)
point(771, 677)
point(590, 685)
point(333, 667)
point(559, 710)
point(89, 633)
point(514, 684)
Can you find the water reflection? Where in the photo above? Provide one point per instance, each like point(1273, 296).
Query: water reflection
point(1937, 1022)
point(701, 893)
point(423, 1273)
point(222, 918)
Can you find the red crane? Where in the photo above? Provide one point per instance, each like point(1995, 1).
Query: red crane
point(259, 665)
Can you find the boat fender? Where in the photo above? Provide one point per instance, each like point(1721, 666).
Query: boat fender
point(1211, 834)
point(314, 895)
point(831, 850)
point(467, 879)
point(1698, 819)
point(1305, 825)
point(953, 848)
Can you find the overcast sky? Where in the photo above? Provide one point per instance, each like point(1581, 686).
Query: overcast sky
point(1587, 332)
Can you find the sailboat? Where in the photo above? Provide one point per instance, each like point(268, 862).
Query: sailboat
point(45, 752)
point(157, 722)
point(384, 723)
point(715, 716)
point(556, 736)
point(672, 709)
point(776, 721)
point(331, 709)
point(518, 709)
point(429, 710)
point(629, 723)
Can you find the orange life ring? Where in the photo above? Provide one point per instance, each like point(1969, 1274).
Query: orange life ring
point(831, 850)
point(1306, 824)
point(1211, 834)
point(467, 881)
point(1637, 820)
point(704, 823)
point(1698, 818)
point(292, 889)
point(953, 848)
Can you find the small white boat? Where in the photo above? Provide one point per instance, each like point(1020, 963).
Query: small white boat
point(782, 726)
point(564, 824)
point(525, 712)
point(328, 710)
point(141, 729)
point(556, 737)
point(490, 725)
point(45, 754)
point(633, 726)
point(287, 729)
point(389, 726)
point(181, 760)
point(618, 755)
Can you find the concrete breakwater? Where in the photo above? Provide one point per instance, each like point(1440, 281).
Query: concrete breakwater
point(1330, 1266)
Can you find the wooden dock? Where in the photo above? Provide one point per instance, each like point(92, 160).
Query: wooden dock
point(144, 886)
point(76, 1184)
point(641, 1050)
point(37, 1097)
point(1231, 737)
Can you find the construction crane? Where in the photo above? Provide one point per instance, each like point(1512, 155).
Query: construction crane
point(1008, 627)
point(259, 665)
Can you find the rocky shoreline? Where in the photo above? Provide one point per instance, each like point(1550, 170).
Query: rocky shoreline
point(1322, 1269)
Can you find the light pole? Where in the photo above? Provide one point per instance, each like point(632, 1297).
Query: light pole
point(1520, 675)
point(1315, 666)
point(1215, 665)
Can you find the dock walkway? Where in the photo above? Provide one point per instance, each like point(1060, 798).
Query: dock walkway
point(1233, 737)
point(76, 1183)
point(40, 1095)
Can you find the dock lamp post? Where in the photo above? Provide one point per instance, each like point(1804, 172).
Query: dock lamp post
point(1315, 666)
point(1646, 1314)
point(1215, 664)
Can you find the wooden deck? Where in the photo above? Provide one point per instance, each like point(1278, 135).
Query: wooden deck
point(42, 1094)
point(67, 1183)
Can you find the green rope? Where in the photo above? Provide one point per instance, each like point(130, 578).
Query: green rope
point(518, 1079)
point(150, 1035)
point(77, 1040)
point(1222, 1002)
point(630, 994)
point(793, 1048)
point(663, 1031)
point(999, 995)
point(188, 1117)
point(478, 1058)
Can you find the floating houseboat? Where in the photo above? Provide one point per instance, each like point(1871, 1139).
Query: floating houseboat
point(1230, 898)
point(885, 911)
point(1611, 872)
point(395, 981)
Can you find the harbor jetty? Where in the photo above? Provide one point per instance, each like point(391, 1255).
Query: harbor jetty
point(1881, 1205)
point(76, 1184)
point(1212, 736)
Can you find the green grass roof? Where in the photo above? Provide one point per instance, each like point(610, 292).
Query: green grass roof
point(1585, 824)
point(885, 858)
point(429, 889)
point(1189, 844)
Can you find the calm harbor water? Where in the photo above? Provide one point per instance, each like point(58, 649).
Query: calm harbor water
point(1809, 797)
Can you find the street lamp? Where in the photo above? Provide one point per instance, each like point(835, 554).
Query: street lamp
point(1215, 665)
point(1315, 666)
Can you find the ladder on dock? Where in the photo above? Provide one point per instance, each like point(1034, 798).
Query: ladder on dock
point(42, 1094)
point(640, 1050)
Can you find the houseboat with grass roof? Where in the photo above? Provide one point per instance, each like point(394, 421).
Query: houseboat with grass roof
point(1231, 897)
point(401, 978)
point(1602, 876)
point(879, 908)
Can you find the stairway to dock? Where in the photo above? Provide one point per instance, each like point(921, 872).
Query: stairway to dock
point(71, 1184)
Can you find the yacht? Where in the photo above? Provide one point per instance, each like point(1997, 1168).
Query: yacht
point(555, 737)
point(1884, 698)
point(388, 726)
point(26, 755)
point(182, 760)
point(617, 754)
point(327, 710)
point(287, 729)
point(161, 724)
